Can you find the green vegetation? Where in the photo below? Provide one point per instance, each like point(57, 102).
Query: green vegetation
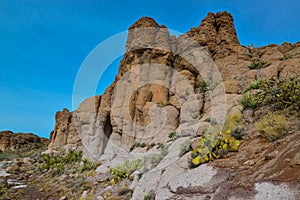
point(202, 85)
point(249, 101)
point(185, 147)
point(234, 122)
point(213, 146)
point(56, 162)
point(212, 121)
point(258, 64)
point(275, 93)
point(157, 158)
point(147, 197)
point(135, 145)
point(142, 145)
point(87, 165)
point(89, 196)
point(21, 153)
point(254, 85)
point(272, 126)
point(173, 136)
point(123, 171)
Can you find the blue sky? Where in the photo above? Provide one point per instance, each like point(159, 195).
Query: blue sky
point(44, 42)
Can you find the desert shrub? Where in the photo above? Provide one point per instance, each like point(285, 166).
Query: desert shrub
point(213, 146)
point(73, 156)
point(249, 101)
point(258, 64)
point(212, 121)
point(157, 158)
point(202, 85)
point(173, 136)
point(272, 126)
point(280, 93)
point(234, 122)
point(54, 160)
point(58, 162)
point(150, 195)
point(87, 165)
point(89, 196)
point(123, 171)
point(253, 85)
point(143, 145)
point(21, 153)
point(147, 197)
point(275, 93)
point(7, 155)
point(135, 145)
point(185, 147)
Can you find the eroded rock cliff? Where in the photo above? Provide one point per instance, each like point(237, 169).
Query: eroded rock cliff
point(158, 73)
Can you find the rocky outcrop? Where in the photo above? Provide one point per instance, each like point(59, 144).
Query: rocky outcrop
point(217, 32)
point(16, 141)
point(170, 84)
point(167, 84)
point(88, 126)
point(64, 133)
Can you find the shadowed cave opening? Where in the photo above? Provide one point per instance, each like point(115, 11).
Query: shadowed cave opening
point(107, 131)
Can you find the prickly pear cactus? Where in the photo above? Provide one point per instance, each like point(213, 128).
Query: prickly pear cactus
point(210, 147)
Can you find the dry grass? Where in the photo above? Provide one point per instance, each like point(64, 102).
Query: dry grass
point(272, 126)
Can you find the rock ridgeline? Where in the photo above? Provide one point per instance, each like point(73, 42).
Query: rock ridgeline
point(16, 141)
point(102, 119)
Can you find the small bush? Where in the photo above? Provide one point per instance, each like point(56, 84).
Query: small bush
point(134, 145)
point(212, 121)
point(258, 64)
point(89, 196)
point(155, 159)
point(7, 155)
point(73, 156)
point(123, 171)
point(185, 147)
point(275, 93)
point(249, 101)
point(152, 144)
point(143, 145)
point(233, 120)
point(173, 136)
point(253, 85)
point(272, 126)
point(88, 165)
point(54, 160)
point(147, 197)
point(202, 86)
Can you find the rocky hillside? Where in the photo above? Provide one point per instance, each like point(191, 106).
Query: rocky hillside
point(17, 141)
point(198, 116)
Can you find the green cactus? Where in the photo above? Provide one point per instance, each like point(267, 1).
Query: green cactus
point(210, 146)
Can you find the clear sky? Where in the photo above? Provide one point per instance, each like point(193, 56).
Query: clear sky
point(44, 42)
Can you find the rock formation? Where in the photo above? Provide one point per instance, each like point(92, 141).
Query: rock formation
point(16, 141)
point(150, 47)
point(169, 84)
